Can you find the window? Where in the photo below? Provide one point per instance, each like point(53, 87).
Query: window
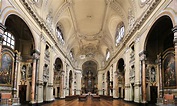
point(71, 54)
point(59, 35)
point(107, 55)
point(9, 40)
point(120, 31)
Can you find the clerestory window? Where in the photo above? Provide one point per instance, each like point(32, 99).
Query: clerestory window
point(60, 35)
point(120, 31)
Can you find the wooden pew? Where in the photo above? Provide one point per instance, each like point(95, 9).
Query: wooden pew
point(71, 97)
point(106, 97)
point(82, 97)
point(96, 97)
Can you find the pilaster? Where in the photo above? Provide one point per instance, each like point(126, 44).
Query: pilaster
point(39, 83)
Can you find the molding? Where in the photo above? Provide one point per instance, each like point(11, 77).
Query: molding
point(174, 29)
point(44, 27)
point(2, 27)
point(137, 25)
point(117, 8)
point(63, 7)
point(139, 22)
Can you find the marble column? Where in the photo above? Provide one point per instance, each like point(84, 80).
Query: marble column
point(143, 71)
point(15, 73)
point(33, 83)
point(2, 28)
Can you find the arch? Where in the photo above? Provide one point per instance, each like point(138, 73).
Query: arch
point(160, 35)
point(158, 42)
point(21, 32)
point(11, 11)
point(89, 79)
point(121, 65)
point(113, 25)
point(89, 65)
point(58, 64)
point(170, 13)
point(66, 27)
point(120, 78)
point(59, 56)
point(24, 47)
point(93, 60)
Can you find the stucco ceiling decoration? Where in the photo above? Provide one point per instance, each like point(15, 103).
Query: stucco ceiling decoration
point(89, 25)
point(88, 16)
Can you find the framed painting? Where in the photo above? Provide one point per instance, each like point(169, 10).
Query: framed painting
point(6, 69)
point(169, 76)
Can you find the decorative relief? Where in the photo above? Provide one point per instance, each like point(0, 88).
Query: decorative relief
point(132, 74)
point(45, 73)
point(49, 19)
point(131, 19)
point(142, 3)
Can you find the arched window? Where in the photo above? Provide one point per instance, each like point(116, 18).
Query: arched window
point(107, 55)
point(59, 35)
point(120, 31)
point(9, 40)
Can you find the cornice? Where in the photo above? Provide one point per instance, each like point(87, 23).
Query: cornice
point(136, 26)
point(141, 21)
point(43, 26)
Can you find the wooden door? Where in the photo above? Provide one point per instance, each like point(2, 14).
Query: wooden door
point(22, 93)
point(153, 94)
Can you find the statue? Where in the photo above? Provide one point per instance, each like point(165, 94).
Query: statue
point(23, 72)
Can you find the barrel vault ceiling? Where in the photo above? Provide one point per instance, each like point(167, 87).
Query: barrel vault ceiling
point(89, 26)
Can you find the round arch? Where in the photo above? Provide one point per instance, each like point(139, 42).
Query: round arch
point(169, 13)
point(90, 60)
point(11, 11)
point(58, 64)
point(157, 42)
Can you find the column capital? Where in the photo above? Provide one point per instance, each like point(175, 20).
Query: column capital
point(36, 54)
point(174, 29)
point(43, 39)
point(142, 55)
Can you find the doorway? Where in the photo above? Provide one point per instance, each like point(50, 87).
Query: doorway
point(119, 92)
point(58, 91)
point(22, 94)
